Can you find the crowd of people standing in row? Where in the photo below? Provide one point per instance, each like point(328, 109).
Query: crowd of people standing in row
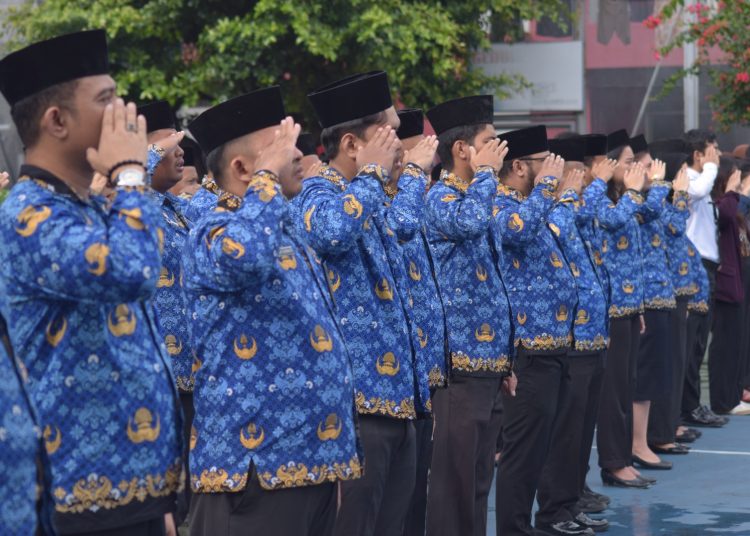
point(357, 346)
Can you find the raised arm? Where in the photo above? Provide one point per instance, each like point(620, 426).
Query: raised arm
point(406, 213)
point(520, 223)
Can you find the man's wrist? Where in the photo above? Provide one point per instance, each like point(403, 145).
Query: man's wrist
point(129, 175)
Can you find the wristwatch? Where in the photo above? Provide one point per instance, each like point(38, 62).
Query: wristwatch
point(131, 177)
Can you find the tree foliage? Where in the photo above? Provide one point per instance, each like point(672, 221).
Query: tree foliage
point(204, 51)
point(722, 25)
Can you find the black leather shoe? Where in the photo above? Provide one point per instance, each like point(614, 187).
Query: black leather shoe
point(589, 505)
point(611, 480)
point(597, 525)
point(650, 481)
point(702, 416)
point(662, 465)
point(563, 528)
point(697, 433)
point(677, 449)
point(588, 492)
point(686, 437)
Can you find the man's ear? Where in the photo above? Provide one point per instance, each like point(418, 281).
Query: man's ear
point(461, 151)
point(349, 145)
point(54, 122)
point(240, 168)
point(518, 167)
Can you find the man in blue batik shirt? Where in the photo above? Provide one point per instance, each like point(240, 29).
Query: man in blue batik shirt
point(275, 427)
point(78, 275)
point(343, 215)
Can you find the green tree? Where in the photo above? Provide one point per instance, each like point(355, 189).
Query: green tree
point(197, 51)
point(719, 25)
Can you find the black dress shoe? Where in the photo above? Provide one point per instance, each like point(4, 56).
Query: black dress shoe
point(589, 505)
point(677, 449)
point(650, 481)
point(697, 433)
point(597, 525)
point(686, 438)
point(588, 492)
point(662, 465)
point(611, 480)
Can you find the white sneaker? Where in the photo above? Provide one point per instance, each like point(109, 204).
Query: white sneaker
point(743, 408)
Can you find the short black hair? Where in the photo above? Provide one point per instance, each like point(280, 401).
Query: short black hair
point(616, 153)
point(27, 113)
point(697, 140)
point(215, 162)
point(194, 155)
point(330, 137)
point(446, 140)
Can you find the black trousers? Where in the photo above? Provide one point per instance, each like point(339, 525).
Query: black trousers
point(745, 349)
point(467, 416)
point(417, 517)
point(378, 502)
point(654, 368)
point(614, 431)
point(664, 416)
point(699, 327)
point(564, 473)
point(183, 499)
point(724, 356)
point(305, 511)
point(528, 422)
point(152, 527)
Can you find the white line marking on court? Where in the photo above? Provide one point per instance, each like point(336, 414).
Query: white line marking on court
point(725, 452)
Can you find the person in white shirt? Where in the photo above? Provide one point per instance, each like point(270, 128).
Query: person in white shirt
point(703, 159)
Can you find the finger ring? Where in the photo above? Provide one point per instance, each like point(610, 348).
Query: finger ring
point(131, 127)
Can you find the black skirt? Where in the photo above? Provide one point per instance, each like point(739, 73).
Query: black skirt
point(654, 367)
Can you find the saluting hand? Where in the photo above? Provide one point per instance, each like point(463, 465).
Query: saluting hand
point(604, 169)
point(382, 149)
point(573, 180)
point(658, 170)
point(552, 166)
point(4, 180)
point(635, 177)
point(491, 154)
point(278, 156)
point(745, 186)
point(312, 170)
point(123, 138)
point(423, 153)
point(711, 154)
point(733, 184)
point(681, 180)
point(171, 142)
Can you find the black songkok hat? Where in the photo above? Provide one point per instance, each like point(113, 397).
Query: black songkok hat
point(525, 141)
point(412, 123)
point(306, 144)
point(673, 163)
point(476, 110)
point(51, 62)
point(595, 144)
point(237, 117)
point(671, 145)
point(353, 97)
point(571, 149)
point(617, 139)
point(639, 144)
point(158, 115)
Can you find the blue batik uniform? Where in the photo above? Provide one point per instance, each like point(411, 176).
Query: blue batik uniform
point(203, 201)
point(658, 289)
point(345, 222)
point(622, 253)
point(171, 300)
point(588, 225)
point(698, 303)
point(78, 278)
point(462, 235)
point(590, 333)
point(274, 387)
point(406, 217)
point(20, 451)
point(541, 288)
point(674, 219)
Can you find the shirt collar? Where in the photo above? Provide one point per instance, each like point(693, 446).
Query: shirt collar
point(50, 181)
point(454, 181)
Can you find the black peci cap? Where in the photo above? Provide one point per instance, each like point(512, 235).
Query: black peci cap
point(595, 144)
point(193, 155)
point(158, 115)
point(671, 145)
point(639, 144)
point(525, 141)
point(54, 61)
point(617, 139)
point(412, 123)
point(237, 117)
point(476, 110)
point(572, 149)
point(353, 97)
point(307, 144)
